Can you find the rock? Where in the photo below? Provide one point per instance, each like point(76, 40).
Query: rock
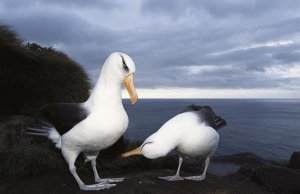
point(247, 170)
point(241, 158)
point(278, 179)
point(295, 160)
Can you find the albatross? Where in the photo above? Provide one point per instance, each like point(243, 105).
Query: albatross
point(193, 133)
point(94, 125)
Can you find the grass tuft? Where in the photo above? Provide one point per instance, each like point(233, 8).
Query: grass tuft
point(27, 160)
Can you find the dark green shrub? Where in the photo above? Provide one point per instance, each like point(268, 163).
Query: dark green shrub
point(11, 131)
point(32, 75)
point(30, 159)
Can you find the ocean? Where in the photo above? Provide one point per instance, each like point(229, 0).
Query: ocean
point(268, 128)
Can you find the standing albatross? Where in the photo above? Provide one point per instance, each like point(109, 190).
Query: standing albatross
point(192, 133)
point(96, 124)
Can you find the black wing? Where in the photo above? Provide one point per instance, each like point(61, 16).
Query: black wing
point(64, 116)
point(207, 115)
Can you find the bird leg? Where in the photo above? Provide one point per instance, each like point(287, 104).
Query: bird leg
point(176, 177)
point(200, 177)
point(83, 186)
point(106, 180)
point(70, 158)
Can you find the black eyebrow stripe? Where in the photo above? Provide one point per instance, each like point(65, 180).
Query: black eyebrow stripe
point(123, 61)
point(145, 144)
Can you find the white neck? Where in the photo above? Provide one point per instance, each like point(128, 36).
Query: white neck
point(107, 91)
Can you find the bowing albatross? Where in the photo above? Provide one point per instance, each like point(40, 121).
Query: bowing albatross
point(96, 124)
point(192, 133)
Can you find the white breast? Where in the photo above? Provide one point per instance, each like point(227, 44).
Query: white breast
point(200, 141)
point(98, 131)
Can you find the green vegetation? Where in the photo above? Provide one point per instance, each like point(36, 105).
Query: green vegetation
point(11, 131)
point(32, 75)
point(29, 157)
point(29, 160)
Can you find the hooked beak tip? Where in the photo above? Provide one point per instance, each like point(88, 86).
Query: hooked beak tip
point(134, 99)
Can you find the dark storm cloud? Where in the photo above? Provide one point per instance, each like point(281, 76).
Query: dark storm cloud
point(53, 27)
point(99, 4)
point(186, 44)
point(218, 9)
point(287, 57)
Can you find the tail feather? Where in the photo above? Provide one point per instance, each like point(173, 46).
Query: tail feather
point(220, 122)
point(45, 129)
point(44, 123)
point(207, 114)
point(218, 119)
point(37, 134)
point(36, 130)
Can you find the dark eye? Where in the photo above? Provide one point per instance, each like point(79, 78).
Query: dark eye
point(124, 64)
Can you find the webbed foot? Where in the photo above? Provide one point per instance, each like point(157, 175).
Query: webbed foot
point(171, 178)
point(99, 186)
point(195, 178)
point(109, 180)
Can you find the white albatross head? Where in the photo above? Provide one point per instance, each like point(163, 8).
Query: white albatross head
point(120, 68)
point(154, 146)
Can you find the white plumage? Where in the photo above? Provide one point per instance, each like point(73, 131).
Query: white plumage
point(55, 137)
point(192, 133)
point(95, 124)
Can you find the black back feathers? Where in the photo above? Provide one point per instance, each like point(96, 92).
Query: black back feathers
point(207, 115)
point(64, 116)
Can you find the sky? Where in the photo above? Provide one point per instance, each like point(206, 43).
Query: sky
point(182, 48)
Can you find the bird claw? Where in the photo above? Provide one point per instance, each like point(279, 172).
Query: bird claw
point(171, 178)
point(195, 178)
point(109, 180)
point(99, 186)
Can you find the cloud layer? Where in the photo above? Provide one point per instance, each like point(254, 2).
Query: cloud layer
point(209, 45)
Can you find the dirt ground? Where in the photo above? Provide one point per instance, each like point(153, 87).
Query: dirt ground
point(141, 182)
point(238, 173)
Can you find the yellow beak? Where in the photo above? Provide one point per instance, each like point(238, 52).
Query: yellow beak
point(136, 151)
point(129, 84)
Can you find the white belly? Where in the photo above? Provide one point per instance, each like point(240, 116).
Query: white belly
point(202, 141)
point(97, 132)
